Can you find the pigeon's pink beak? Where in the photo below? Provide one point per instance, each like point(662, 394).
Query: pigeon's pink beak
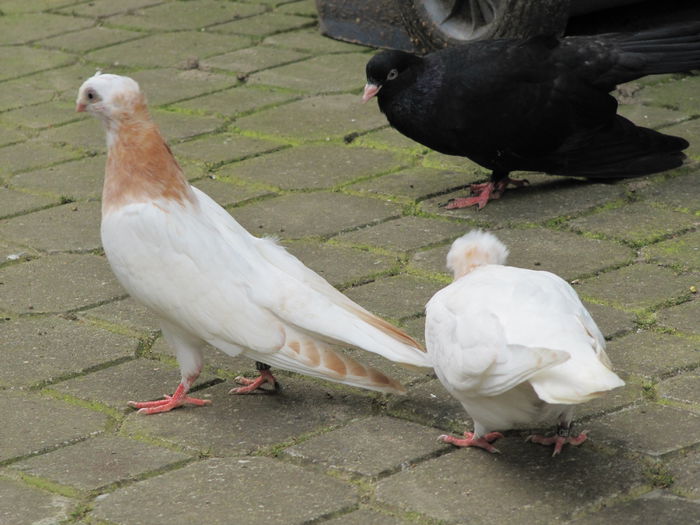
point(79, 107)
point(370, 91)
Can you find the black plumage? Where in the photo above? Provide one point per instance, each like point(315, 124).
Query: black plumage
point(541, 104)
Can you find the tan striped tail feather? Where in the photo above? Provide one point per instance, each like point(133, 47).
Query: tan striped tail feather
point(323, 361)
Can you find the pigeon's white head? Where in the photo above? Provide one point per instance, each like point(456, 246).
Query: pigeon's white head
point(474, 249)
point(110, 97)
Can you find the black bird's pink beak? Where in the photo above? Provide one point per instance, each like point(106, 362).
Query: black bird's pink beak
point(370, 91)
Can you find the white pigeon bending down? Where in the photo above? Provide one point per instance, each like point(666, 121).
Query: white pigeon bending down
point(514, 346)
point(208, 280)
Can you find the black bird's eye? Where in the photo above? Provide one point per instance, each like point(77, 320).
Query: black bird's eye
point(90, 95)
point(392, 74)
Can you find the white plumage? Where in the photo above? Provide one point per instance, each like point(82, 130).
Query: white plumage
point(514, 346)
point(208, 280)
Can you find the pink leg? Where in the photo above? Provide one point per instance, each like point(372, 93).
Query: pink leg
point(560, 439)
point(253, 384)
point(484, 192)
point(469, 441)
point(179, 398)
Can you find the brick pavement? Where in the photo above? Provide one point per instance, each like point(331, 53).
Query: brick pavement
point(264, 115)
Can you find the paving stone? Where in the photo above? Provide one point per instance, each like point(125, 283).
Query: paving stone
point(42, 115)
point(126, 313)
point(71, 227)
point(24, 28)
point(215, 480)
point(435, 160)
point(75, 180)
point(166, 49)
point(683, 251)
point(637, 223)
point(611, 321)
point(22, 60)
point(340, 265)
point(566, 254)
point(31, 155)
point(136, 380)
point(650, 116)
point(366, 517)
point(177, 127)
point(545, 199)
point(23, 505)
point(651, 508)
point(652, 354)
point(228, 192)
point(14, 202)
point(309, 40)
point(680, 192)
point(99, 462)
point(629, 429)
point(86, 134)
point(214, 150)
point(167, 85)
point(624, 396)
point(306, 214)
point(682, 388)
point(236, 101)
point(10, 136)
point(85, 280)
point(689, 130)
point(248, 60)
point(33, 424)
point(313, 166)
point(38, 350)
point(415, 184)
point(404, 234)
point(681, 94)
point(303, 7)
point(28, 6)
point(232, 425)
point(309, 75)
point(395, 297)
point(683, 317)
point(685, 468)
point(314, 118)
point(444, 488)
point(389, 138)
point(89, 39)
point(636, 286)
point(10, 253)
point(267, 24)
point(104, 8)
point(354, 448)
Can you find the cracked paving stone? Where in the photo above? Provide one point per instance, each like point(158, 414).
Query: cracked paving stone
point(650, 508)
point(166, 49)
point(337, 264)
point(214, 150)
point(232, 425)
point(71, 227)
point(307, 214)
point(637, 286)
point(137, 380)
point(75, 180)
point(98, 462)
point(14, 202)
point(683, 251)
point(33, 424)
point(631, 429)
point(682, 388)
point(205, 489)
point(18, 61)
point(313, 166)
point(38, 350)
point(371, 447)
point(444, 488)
point(315, 118)
point(168, 85)
point(683, 317)
point(651, 354)
point(395, 297)
point(241, 99)
point(310, 75)
point(546, 198)
point(404, 234)
point(252, 59)
point(85, 280)
point(24, 505)
point(636, 223)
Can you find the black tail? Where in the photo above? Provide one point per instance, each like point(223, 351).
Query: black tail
point(670, 49)
point(619, 151)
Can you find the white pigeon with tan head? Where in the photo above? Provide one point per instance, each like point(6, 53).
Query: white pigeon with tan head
point(514, 346)
point(208, 280)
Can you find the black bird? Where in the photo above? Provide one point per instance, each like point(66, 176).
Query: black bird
point(541, 104)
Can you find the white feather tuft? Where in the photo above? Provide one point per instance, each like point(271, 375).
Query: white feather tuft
point(476, 248)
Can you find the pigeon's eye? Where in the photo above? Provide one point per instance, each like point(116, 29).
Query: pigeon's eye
point(392, 74)
point(90, 95)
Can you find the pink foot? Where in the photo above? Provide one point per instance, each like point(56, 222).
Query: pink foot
point(166, 405)
point(469, 441)
point(558, 440)
point(253, 384)
point(485, 192)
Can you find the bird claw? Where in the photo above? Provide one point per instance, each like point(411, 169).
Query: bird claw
point(558, 440)
point(251, 385)
point(470, 441)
